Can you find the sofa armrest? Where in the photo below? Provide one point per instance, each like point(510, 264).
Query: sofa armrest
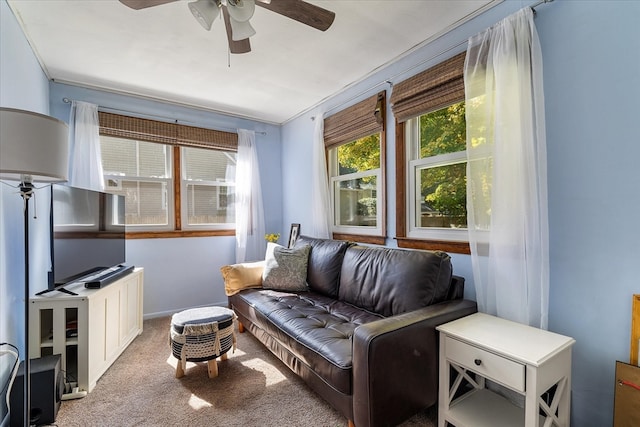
point(395, 363)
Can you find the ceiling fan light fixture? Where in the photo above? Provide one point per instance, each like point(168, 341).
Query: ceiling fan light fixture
point(241, 10)
point(205, 12)
point(241, 30)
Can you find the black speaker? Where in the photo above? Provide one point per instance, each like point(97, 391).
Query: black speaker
point(47, 386)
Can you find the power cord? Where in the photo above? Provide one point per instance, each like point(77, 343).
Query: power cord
point(68, 379)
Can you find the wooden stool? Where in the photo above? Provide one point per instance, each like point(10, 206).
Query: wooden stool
point(202, 335)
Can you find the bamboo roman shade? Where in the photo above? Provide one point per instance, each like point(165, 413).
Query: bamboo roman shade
point(362, 119)
point(435, 88)
point(165, 133)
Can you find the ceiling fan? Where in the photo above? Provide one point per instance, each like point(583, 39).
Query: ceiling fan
point(237, 13)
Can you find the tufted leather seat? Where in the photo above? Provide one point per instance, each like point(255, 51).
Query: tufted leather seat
point(316, 329)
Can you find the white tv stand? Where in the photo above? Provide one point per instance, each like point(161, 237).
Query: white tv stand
point(89, 330)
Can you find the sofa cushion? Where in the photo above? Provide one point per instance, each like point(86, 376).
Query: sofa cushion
point(242, 276)
point(285, 269)
point(325, 262)
point(392, 281)
point(317, 329)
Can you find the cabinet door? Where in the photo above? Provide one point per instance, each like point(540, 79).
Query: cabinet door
point(104, 325)
point(129, 303)
point(112, 323)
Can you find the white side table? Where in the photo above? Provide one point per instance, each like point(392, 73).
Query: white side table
point(527, 360)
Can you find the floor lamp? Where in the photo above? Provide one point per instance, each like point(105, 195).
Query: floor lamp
point(33, 148)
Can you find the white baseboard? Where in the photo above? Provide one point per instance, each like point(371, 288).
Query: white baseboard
point(147, 316)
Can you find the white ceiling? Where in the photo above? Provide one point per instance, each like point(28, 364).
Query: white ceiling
point(163, 53)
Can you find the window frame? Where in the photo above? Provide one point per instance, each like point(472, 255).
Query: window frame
point(360, 120)
point(402, 190)
point(432, 89)
point(175, 136)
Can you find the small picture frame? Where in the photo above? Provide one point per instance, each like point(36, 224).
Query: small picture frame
point(293, 234)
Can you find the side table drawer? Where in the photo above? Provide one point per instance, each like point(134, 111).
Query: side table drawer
point(489, 365)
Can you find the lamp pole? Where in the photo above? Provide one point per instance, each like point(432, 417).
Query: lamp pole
point(26, 190)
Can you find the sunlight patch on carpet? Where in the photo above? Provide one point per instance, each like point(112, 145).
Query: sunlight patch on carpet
point(172, 361)
point(272, 375)
point(196, 403)
point(237, 352)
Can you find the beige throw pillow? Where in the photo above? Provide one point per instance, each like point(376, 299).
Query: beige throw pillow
point(242, 276)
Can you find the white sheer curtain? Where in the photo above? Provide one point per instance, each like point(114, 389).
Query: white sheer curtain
point(85, 158)
point(250, 230)
point(320, 202)
point(507, 171)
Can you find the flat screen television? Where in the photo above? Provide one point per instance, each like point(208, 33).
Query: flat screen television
point(87, 234)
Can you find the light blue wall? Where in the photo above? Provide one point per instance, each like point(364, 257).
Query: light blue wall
point(23, 85)
point(592, 86)
point(185, 272)
point(591, 53)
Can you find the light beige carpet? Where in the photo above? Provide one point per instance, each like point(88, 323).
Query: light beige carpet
point(253, 389)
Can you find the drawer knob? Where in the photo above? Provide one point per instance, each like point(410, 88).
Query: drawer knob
point(478, 362)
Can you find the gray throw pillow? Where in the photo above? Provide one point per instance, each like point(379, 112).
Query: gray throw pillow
point(286, 268)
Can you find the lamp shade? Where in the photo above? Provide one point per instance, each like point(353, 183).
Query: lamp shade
point(205, 11)
point(34, 145)
point(241, 30)
point(241, 10)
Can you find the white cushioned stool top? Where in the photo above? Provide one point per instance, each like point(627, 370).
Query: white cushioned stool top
point(201, 315)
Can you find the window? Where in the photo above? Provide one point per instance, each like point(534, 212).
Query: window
point(355, 142)
point(436, 144)
point(208, 187)
point(177, 180)
point(355, 182)
point(431, 159)
point(142, 172)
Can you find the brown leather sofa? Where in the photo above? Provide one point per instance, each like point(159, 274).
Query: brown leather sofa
point(363, 337)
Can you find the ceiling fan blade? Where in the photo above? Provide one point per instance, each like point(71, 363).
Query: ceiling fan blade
point(143, 4)
point(301, 11)
point(235, 46)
